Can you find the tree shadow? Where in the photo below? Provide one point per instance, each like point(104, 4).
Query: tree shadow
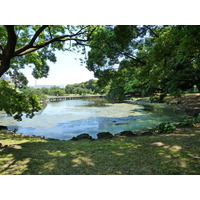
point(165, 154)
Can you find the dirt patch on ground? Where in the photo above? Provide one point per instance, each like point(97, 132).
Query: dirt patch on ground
point(189, 102)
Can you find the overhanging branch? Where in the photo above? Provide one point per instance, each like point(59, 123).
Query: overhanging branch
point(30, 44)
point(37, 47)
point(37, 33)
point(30, 47)
point(134, 58)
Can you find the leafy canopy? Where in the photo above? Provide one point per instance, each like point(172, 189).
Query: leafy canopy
point(15, 103)
point(33, 46)
point(131, 58)
point(146, 59)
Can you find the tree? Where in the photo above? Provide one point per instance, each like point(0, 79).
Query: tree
point(87, 87)
point(45, 90)
point(57, 91)
point(37, 92)
point(111, 48)
point(16, 103)
point(33, 46)
point(150, 59)
point(129, 58)
point(24, 45)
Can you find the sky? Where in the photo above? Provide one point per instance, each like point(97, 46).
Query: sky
point(66, 70)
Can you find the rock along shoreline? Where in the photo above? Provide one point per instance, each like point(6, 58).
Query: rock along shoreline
point(83, 136)
point(189, 103)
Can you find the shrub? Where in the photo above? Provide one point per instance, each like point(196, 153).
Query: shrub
point(165, 128)
point(104, 135)
point(82, 137)
point(127, 133)
point(197, 118)
point(187, 123)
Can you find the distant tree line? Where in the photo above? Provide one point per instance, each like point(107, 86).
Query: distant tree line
point(88, 87)
point(42, 92)
point(53, 91)
point(84, 88)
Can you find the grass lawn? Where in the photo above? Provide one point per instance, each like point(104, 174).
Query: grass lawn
point(175, 153)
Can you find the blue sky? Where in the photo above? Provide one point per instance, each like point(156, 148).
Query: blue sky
point(65, 71)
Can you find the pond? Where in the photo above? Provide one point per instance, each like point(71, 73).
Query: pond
point(66, 119)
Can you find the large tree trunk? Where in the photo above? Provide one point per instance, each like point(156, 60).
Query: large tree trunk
point(8, 52)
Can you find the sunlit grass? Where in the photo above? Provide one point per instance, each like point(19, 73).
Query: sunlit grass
point(176, 153)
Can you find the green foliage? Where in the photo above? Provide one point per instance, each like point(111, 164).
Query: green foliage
point(88, 87)
point(45, 90)
point(37, 92)
point(162, 59)
point(126, 59)
point(166, 127)
point(33, 46)
point(188, 123)
point(16, 103)
point(18, 79)
point(56, 91)
point(197, 118)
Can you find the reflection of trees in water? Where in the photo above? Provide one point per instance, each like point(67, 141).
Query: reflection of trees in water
point(161, 108)
point(99, 103)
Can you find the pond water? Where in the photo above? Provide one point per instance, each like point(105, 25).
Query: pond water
point(66, 119)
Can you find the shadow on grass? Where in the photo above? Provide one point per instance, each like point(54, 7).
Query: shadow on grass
point(163, 154)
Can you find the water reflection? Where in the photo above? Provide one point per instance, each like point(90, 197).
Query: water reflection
point(66, 119)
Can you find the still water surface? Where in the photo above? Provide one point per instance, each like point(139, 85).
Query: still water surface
point(66, 119)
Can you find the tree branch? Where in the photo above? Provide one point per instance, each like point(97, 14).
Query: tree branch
point(37, 47)
point(1, 47)
point(30, 47)
point(30, 44)
point(50, 32)
point(151, 30)
point(134, 58)
point(79, 32)
point(37, 33)
point(90, 34)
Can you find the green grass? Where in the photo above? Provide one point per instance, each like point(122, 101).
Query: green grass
point(177, 153)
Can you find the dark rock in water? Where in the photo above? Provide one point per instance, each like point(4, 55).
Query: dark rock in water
point(3, 128)
point(120, 124)
point(127, 133)
point(104, 135)
point(15, 130)
point(82, 136)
